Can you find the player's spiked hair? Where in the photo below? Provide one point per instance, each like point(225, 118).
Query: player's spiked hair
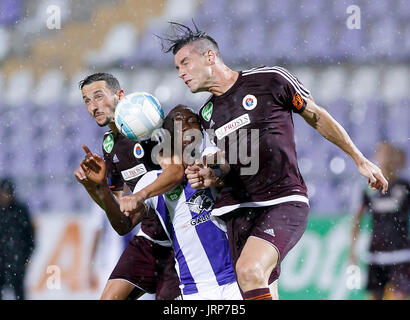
point(180, 35)
point(109, 79)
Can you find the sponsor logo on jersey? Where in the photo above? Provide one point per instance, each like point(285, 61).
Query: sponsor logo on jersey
point(108, 143)
point(232, 126)
point(138, 151)
point(201, 219)
point(134, 172)
point(207, 111)
point(174, 194)
point(297, 101)
point(115, 159)
point(249, 102)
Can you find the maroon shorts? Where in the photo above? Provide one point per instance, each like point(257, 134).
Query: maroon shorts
point(150, 267)
point(282, 225)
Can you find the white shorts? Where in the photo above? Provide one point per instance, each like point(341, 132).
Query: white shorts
point(228, 291)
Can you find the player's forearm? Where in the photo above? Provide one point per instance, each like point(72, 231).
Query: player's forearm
point(95, 195)
point(170, 177)
point(118, 220)
point(330, 129)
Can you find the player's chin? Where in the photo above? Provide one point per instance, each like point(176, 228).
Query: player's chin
point(192, 87)
point(103, 122)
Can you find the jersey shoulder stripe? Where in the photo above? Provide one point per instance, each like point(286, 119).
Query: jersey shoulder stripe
point(301, 86)
point(292, 80)
point(285, 74)
point(254, 69)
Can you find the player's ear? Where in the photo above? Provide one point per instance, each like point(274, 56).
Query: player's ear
point(210, 56)
point(120, 94)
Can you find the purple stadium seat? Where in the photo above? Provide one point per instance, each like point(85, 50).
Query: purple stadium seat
point(10, 11)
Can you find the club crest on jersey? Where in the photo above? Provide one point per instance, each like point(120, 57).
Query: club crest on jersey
point(249, 102)
point(174, 194)
point(200, 202)
point(207, 111)
point(108, 143)
point(138, 151)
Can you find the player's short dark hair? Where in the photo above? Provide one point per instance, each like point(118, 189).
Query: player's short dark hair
point(168, 123)
point(109, 79)
point(181, 35)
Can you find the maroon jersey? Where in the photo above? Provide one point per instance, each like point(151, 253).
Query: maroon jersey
point(390, 219)
point(127, 161)
point(262, 98)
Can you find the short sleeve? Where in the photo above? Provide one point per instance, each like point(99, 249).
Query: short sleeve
point(146, 180)
point(288, 90)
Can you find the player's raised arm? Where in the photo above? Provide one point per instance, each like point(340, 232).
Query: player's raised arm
point(330, 129)
point(172, 175)
point(93, 169)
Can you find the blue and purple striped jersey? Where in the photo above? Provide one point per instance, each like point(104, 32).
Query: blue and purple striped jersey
point(201, 247)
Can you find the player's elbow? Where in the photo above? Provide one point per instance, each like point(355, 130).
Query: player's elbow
point(122, 231)
point(123, 228)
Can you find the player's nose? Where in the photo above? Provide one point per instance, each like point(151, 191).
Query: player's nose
point(181, 73)
point(93, 107)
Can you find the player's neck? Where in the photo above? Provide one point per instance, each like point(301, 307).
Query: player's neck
point(223, 79)
point(113, 127)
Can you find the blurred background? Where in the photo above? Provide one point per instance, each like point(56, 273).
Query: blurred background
point(358, 69)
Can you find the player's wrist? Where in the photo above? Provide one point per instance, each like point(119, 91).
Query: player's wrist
point(102, 185)
point(358, 158)
point(217, 172)
point(142, 195)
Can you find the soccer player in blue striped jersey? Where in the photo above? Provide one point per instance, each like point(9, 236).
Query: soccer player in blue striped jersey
point(201, 247)
point(199, 240)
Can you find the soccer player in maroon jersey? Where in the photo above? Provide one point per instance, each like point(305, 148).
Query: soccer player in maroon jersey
point(147, 263)
point(389, 252)
point(266, 211)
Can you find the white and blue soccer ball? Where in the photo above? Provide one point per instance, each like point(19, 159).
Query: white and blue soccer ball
point(137, 115)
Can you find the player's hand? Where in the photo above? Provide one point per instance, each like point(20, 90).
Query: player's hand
point(376, 180)
point(200, 177)
point(82, 178)
point(132, 204)
point(93, 166)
